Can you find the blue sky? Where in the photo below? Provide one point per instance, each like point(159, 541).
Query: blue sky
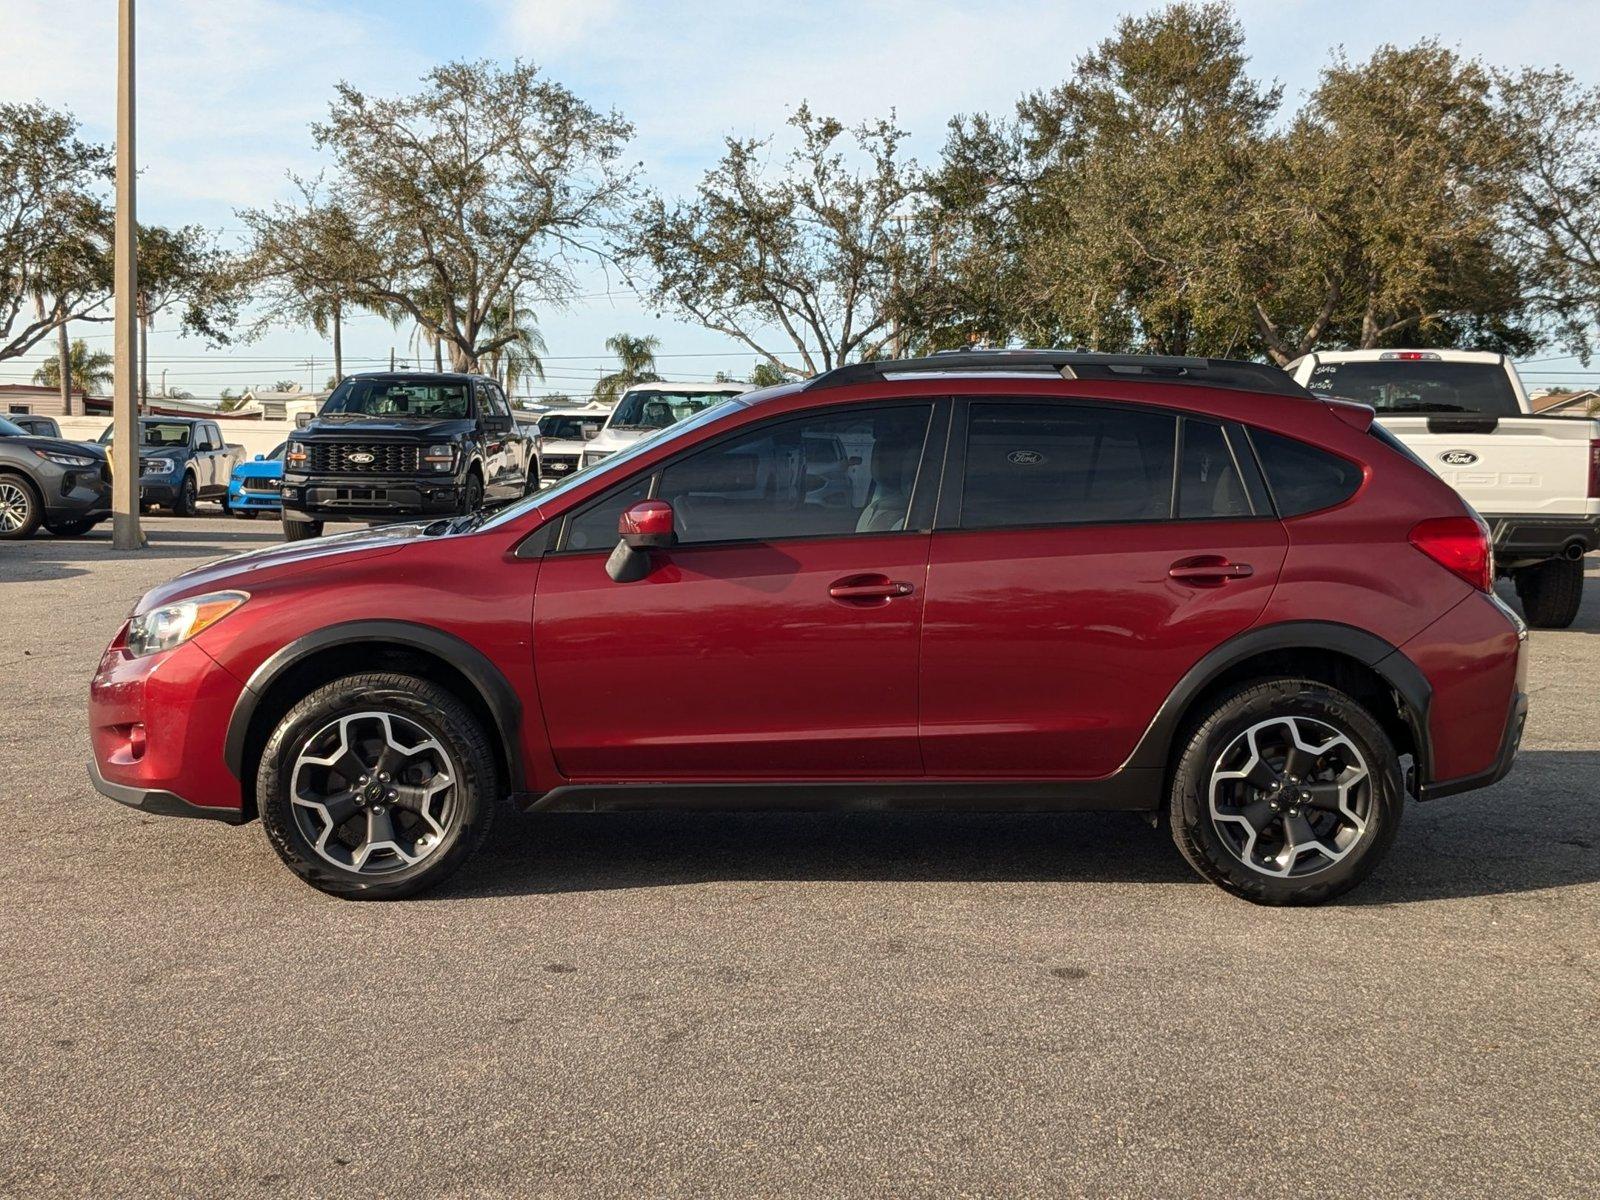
point(228, 89)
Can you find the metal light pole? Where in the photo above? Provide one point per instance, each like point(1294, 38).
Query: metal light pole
point(125, 531)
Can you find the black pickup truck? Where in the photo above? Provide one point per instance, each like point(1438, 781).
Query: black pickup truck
point(388, 447)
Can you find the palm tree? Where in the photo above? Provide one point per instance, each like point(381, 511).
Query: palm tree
point(518, 358)
point(637, 356)
point(86, 369)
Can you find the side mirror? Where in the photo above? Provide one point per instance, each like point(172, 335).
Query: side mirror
point(302, 419)
point(644, 526)
point(261, 458)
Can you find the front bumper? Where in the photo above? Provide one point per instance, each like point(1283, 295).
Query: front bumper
point(344, 499)
point(248, 499)
point(74, 493)
point(157, 726)
point(159, 489)
point(1533, 539)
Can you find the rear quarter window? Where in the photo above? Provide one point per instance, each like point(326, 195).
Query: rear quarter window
point(1303, 478)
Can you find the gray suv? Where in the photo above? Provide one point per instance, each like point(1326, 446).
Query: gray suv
point(64, 486)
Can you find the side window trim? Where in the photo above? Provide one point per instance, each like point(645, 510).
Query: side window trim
point(926, 480)
point(1255, 488)
point(1249, 468)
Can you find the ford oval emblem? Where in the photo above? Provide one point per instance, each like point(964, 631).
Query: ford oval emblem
point(1025, 458)
point(1458, 458)
point(361, 456)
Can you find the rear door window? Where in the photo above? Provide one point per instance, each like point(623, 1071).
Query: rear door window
point(1303, 478)
point(1053, 464)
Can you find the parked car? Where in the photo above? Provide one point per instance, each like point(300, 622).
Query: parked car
point(1536, 480)
point(567, 433)
point(182, 460)
point(63, 486)
point(388, 446)
point(36, 424)
point(255, 485)
point(1180, 586)
point(648, 408)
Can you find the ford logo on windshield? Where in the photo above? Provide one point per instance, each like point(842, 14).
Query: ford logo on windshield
point(361, 456)
point(1458, 458)
point(1026, 458)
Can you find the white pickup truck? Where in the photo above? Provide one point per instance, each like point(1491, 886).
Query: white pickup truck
point(1534, 480)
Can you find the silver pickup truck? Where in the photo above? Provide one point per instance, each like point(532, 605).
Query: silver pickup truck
point(1534, 480)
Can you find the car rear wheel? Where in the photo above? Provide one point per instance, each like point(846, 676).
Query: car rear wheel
point(377, 786)
point(21, 510)
point(1287, 792)
point(1551, 592)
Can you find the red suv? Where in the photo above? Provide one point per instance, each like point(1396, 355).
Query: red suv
point(997, 580)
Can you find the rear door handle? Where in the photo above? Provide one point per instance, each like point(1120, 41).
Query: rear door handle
point(869, 587)
point(1208, 570)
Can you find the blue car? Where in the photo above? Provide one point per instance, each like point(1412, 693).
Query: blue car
point(255, 485)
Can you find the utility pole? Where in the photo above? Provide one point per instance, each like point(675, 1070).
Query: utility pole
point(125, 531)
point(163, 383)
point(391, 360)
point(64, 366)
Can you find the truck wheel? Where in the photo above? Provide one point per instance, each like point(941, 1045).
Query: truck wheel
point(472, 495)
point(21, 510)
point(1288, 792)
point(377, 786)
point(1551, 592)
point(183, 506)
point(298, 531)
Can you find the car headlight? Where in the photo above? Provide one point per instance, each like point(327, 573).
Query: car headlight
point(62, 458)
point(157, 466)
point(441, 457)
point(590, 457)
point(173, 624)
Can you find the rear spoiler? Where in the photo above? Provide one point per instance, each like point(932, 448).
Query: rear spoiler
point(1354, 414)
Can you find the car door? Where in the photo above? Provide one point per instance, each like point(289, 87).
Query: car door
point(776, 639)
point(1072, 580)
point(203, 458)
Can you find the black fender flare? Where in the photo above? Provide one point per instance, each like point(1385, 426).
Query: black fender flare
point(493, 688)
point(1399, 672)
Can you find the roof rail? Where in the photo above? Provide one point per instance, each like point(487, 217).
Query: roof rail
point(1077, 364)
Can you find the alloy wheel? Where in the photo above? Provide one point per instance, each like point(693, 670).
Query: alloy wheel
point(373, 792)
point(15, 506)
point(1291, 796)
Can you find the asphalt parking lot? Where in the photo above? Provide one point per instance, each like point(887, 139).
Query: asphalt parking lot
point(624, 1005)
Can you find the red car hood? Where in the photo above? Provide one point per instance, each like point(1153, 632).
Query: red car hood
point(239, 571)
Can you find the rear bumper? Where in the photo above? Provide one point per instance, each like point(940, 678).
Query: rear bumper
point(1520, 538)
point(1510, 743)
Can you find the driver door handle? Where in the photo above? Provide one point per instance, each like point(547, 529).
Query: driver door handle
point(1208, 570)
point(869, 587)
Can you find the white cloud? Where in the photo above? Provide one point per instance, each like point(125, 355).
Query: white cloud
point(540, 27)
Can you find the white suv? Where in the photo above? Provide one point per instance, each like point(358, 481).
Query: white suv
point(647, 407)
point(567, 433)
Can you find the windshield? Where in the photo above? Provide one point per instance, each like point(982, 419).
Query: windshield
point(7, 429)
point(658, 410)
point(1422, 386)
point(163, 433)
point(704, 417)
point(276, 453)
point(402, 399)
point(570, 429)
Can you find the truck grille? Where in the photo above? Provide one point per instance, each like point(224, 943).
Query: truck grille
point(364, 458)
point(559, 464)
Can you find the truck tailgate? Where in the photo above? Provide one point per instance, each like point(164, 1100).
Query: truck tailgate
point(1533, 465)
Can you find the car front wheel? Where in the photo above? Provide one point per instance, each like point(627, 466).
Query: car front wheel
point(188, 497)
point(1287, 792)
point(20, 509)
point(377, 786)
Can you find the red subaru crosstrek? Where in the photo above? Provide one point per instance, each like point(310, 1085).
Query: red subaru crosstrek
point(989, 580)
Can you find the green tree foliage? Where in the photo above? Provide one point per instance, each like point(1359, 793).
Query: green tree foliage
point(811, 265)
point(636, 358)
point(89, 370)
point(54, 226)
point(475, 190)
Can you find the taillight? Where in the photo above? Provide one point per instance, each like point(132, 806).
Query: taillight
point(1594, 470)
point(1460, 545)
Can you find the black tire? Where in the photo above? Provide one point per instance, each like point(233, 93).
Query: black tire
point(1551, 592)
point(227, 505)
point(299, 531)
point(188, 496)
point(472, 494)
point(244, 514)
point(467, 808)
point(71, 529)
point(21, 509)
point(1216, 855)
